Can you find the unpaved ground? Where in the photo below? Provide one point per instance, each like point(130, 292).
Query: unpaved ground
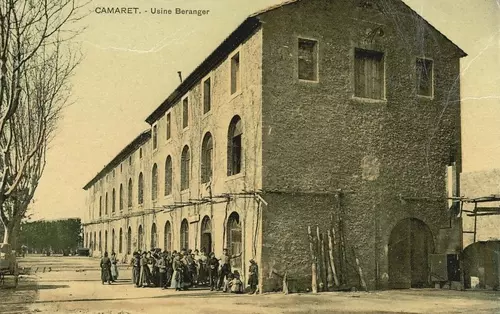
point(73, 286)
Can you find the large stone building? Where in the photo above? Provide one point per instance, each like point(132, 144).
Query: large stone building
point(311, 113)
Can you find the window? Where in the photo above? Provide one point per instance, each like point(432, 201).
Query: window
point(95, 242)
point(120, 241)
point(168, 176)
point(234, 149)
point(140, 238)
point(235, 73)
point(168, 127)
point(234, 238)
point(424, 77)
point(113, 239)
point(185, 113)
point(106, 241)
point(140, 152)
point(129, 196)
point(308, 60)
point(155, 136)
point(113, 201)
point(106, 204)
point(206, 158)
point(154, 182)
point(100, 241)
point(207, 97)
point(154, 237)
point(140, 189)
point(185, 168)
point(100, 206)
point(168, 237)
point(121, 168)
point(130, 160)
point(184, 235)
point(129, 241)
point(121, 197)
point(369, 79)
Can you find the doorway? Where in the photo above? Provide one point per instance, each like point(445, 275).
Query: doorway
point(206, 235)
point(410, 244)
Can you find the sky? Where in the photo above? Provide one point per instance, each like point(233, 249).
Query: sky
point(130, 66)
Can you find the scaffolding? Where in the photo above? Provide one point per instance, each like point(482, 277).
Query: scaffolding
point(479, 211)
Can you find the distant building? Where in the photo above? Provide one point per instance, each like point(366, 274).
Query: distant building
point(311, 113)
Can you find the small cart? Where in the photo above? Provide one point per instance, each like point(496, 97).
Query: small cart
point(8, 264)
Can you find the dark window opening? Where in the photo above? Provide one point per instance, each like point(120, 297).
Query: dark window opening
point(369, 77)
point(185, 113)
point(235, 73)
point(207, 97)
point(308, 59)
point(206, 158)
point(424, 77)
point(234, 151)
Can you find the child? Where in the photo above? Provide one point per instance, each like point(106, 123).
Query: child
point(236, 284)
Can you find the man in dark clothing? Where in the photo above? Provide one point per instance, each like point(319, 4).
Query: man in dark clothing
point(213, 268)
point(137, 268)
point(162, 270)
point(226, 266)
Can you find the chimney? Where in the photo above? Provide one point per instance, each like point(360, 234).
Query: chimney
point(180, 75)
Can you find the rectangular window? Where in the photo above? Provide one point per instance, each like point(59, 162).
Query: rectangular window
point(155, 136)
point(369, 78)
point(424, 77)
point(168, 127)
point(308, 60)
point(207, 97)
point(185, 113)
point(235, 73)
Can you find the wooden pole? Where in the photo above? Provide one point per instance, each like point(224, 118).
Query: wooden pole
point(332, 261)
point(318, 260)
point(314, 285)
point(324, 265)
point(285, 283)
point(361, 277)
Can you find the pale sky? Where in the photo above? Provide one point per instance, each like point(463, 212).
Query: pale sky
point(131, 64)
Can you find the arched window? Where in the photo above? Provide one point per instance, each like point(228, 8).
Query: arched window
point(234, 238)
point(113, 201)
point(106, 204)
point(185, 168)
point(154, 237)
point(167, 245)
point(130, 193)
point(100, 241)
point(184, 235)
point(100, 206)
point(121, 197)
point(129, 241)
point(140, 189)
point(95, 242)
point(234, 148)
point(206, 235)
point(154, 182)
point(113, 240)
point(120, 241)
point(168, 176)
point(206, 158)
point(106, 241)
point(140, 238)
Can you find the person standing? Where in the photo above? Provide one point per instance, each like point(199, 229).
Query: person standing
point(144, 277)
point(170, 270)
point(106, 269)
point(226, 266)
point(253, 277)
point(213, 267)
point(114, 267)
point(177, 275)
point(136, 270)
point(162, 270)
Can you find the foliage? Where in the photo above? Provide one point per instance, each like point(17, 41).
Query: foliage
point(55, 234)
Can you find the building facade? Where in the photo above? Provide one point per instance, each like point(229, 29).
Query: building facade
point(341, 114)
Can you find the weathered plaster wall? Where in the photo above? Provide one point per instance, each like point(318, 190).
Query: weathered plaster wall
point(317, 136)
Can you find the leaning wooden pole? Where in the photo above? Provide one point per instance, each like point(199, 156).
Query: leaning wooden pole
point(324, 263)
point(332, 261)
point(319, 259)
point(314, 285)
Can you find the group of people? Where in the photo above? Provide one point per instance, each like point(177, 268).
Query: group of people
point(182, 270)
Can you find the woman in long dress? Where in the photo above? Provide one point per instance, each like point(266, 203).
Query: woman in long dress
point(144, 276)
point(114, 267)
point(105, 269)
point(176, 282)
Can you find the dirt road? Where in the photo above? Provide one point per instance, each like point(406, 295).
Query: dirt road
point(72, 286)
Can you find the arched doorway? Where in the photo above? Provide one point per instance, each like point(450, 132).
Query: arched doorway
point(167, 237)
point(206, 235)
point(129, 241)
point(140, 238)
point(154, 237)
point(410, 244)
point(234, 239)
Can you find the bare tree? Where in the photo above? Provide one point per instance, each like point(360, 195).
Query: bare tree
point(34, 87)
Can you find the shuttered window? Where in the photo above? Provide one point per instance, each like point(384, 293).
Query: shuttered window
point(369, 76)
